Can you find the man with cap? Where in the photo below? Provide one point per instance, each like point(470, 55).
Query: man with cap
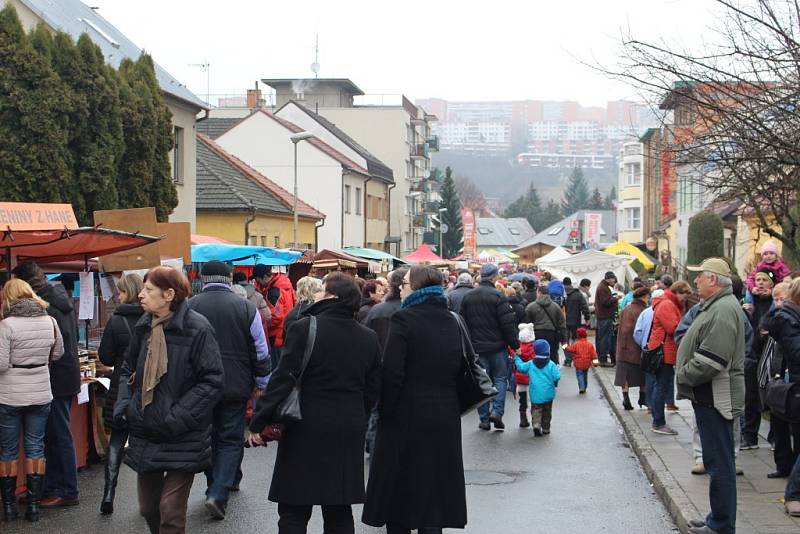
point(710, 372)
point(281, 298)
point(493, 328)
point(245, 359)
point(605, 308)
point(456, 294)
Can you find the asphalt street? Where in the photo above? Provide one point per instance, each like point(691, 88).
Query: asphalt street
point(583, 478)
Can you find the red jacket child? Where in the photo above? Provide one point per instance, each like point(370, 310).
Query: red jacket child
point(583, 351)
point(526, 353)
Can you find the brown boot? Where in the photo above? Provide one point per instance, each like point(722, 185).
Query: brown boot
point(8, 489)
point(34, 469)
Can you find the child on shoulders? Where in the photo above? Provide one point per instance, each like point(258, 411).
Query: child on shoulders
point(770, 261)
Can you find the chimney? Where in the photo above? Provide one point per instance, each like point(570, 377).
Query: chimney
point(253, 98)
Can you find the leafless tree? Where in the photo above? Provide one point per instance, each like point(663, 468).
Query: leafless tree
point(739, 99)
point(471, 197)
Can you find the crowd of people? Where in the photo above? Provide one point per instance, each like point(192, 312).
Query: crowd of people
point(375, 365)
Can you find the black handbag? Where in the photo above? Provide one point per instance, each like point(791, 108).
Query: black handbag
point(289, 408)
point(783, 400)
point(474, 386)
point(651, 358)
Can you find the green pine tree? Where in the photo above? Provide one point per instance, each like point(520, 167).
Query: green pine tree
point(34, 158)
point(453, 239)
point(576, 195)
point(611, 197)
point(550, 215)
point(596, 201)
point(528, 206)
point(705, 240)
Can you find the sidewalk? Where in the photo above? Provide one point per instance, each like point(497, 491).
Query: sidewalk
point(667, 461)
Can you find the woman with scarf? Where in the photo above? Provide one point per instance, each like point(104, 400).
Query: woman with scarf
point(320, 460)
point(417, 475)
point(171, 379)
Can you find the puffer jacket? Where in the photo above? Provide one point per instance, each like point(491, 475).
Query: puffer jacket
point(456, 295)
point(490, 320)
point(547, 316)
point(27, 337)
point(666, 318)
point(65, 373)
point(544, 376)
point(583, 354)
point(577, 307)
point(114, 343)
point(526, 354)
point(518, 307)
point(174, 432)
point(785, 330)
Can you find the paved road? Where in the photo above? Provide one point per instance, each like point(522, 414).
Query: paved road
point(582, 478)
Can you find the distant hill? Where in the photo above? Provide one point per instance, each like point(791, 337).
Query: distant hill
point(500, 177)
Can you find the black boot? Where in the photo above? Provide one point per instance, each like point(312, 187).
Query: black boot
point(626, 401)
point(523, 419)
point(35, 480)
point(8, 488)
point(642, 399)
point(116, 452)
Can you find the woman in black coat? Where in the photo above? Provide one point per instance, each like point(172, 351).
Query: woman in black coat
point(170, 382)
point(115, 341)
point(320, 460)
point(417, 475)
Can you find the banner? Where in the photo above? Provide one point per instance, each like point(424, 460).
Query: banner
point(593, 227)
point(22, 216)
point(470, 239)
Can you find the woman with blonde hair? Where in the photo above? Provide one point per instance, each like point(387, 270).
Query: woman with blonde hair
point(115, 341)
point(29, 341)
point(307, 288)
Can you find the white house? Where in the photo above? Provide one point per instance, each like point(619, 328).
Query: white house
point(629, 208)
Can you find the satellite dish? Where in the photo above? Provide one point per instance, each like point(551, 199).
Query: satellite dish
point(444, 228)
point(315, 68)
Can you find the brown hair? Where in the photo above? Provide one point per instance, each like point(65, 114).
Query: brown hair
point(31, 273)
point(681, 286)
point(640, 292)
point(17, 289)
point(343, 287)
point(424, 276)
point(794, 291)
point(165, 278)
point(131, 284)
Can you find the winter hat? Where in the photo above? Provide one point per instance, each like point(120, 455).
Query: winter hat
point(488, 271)
point(526, 334)
point(657, 293)
point(581, 333)
point(542, 348)
point(666, 280)
point(464, 278)
point(766, 274)
point(770, 246)
point(216, 272)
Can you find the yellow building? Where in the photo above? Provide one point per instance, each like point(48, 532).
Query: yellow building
point(240, 205)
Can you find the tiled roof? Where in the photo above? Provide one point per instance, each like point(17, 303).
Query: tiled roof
point(226, 183)
point(213, 127)
point(557, 235)
point(375, 166)
point(74, 18)
point(497, 232)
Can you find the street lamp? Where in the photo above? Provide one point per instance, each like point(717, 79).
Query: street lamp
point(441, 222)
point(296, 138)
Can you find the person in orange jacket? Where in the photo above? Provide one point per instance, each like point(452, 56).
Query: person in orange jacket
point(583, 356)
point(281, 298)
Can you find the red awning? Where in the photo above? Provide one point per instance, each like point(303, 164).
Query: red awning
point(423, 254)
point(50, 246)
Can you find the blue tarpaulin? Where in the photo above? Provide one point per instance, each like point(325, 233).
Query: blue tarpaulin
point(243, 254)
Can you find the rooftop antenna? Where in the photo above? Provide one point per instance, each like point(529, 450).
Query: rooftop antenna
point(315, 65)
point(207, 67)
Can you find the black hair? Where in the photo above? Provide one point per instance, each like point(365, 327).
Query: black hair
point(586, 283)
point(567, 281)
point(343, 287)
point(396, 282)
point(239, 277)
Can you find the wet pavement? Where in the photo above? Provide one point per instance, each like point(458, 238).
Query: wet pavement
point(581, 478)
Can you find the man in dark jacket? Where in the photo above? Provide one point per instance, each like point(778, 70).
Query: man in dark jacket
point(245, 359)
point(605, 307)
point(548, 321)
point(456, 295)
point(530, 289)
point(577, 314)
point(492, 328)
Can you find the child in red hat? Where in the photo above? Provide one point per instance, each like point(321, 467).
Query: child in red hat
point(583, 357)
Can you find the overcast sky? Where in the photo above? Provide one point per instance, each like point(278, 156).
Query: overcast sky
point(457, 50)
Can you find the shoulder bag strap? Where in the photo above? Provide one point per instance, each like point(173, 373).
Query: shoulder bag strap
point(549, 317)
point(466, 343)
point(55, 339)
point(310, 340)
point(128, 327)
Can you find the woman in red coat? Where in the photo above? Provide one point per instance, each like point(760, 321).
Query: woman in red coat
point(666, 316)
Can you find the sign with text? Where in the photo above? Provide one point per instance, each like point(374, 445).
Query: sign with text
point(22, 216)
point(593, 228)
point(470, 239)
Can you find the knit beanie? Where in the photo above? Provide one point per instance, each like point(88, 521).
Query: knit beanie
point(770, 246)
point(526, 334)
point(542, 348)
point(216, 272)
point(488, 271)
point(766, 274)
point(581, 333)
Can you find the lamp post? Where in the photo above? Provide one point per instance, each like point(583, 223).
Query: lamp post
point(296, 138)
point(441, 222)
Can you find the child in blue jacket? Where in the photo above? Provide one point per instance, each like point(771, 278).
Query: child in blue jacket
point(544, 376)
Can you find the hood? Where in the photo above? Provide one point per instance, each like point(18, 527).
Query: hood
point(57, 297)
point(129, 309)
point(571, 290)
point(330, 307)
point(26, 308)
point(544, 300)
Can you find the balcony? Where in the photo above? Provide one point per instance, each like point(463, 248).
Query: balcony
point(420, 151)
point(418, 187)
point(420, 220)
point(433, 143)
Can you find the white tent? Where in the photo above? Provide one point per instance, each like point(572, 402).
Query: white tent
point(591, 264)
point(558, 253)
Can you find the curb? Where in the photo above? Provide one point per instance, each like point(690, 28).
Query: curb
point(673, 496)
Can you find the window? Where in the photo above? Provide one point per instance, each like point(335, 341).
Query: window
point(555, 231)
point(513, 231)
point(633, 172)
point(177, 155)
point(347, 199)
point(375, 207)
point(264, 241)
point(633, 218)
point(358, 201)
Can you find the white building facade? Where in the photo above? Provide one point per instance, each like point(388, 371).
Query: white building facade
point(629, 209)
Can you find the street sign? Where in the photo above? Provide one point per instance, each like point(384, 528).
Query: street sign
point(443, 228)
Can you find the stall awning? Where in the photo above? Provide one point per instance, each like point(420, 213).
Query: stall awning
point(424, 254)
point(626, 249)
point(243, 254)
point(371, 254)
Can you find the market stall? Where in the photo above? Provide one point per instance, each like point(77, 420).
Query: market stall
point(387, 261)
point(623, 248)
point(327, 261)
point(591, 264)
point(425, 255)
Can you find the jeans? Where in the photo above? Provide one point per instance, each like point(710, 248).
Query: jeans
point(511, 382)
point(752, 403)
point(293, 519)
point(582, 377)
point(716, 435)
point(61, 477)
point(792, 492)
point(15, 418)
point(663, 378)
point(496, 367)
point(163, 499)
point(649, 389)
point(697, 446)
point(605, 333)
point(227, 442)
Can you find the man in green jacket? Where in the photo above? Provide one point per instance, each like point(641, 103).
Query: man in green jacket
point(710, 372)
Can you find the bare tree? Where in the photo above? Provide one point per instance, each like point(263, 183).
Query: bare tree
point(471, 197)
point(736, 103)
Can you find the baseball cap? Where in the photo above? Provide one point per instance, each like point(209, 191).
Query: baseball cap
point(713, 265)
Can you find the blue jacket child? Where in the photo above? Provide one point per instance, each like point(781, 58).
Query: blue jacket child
point(543, 373)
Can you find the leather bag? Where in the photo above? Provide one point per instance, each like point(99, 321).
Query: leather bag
point(289, 409)
point(783, 400)
point(474, 386)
